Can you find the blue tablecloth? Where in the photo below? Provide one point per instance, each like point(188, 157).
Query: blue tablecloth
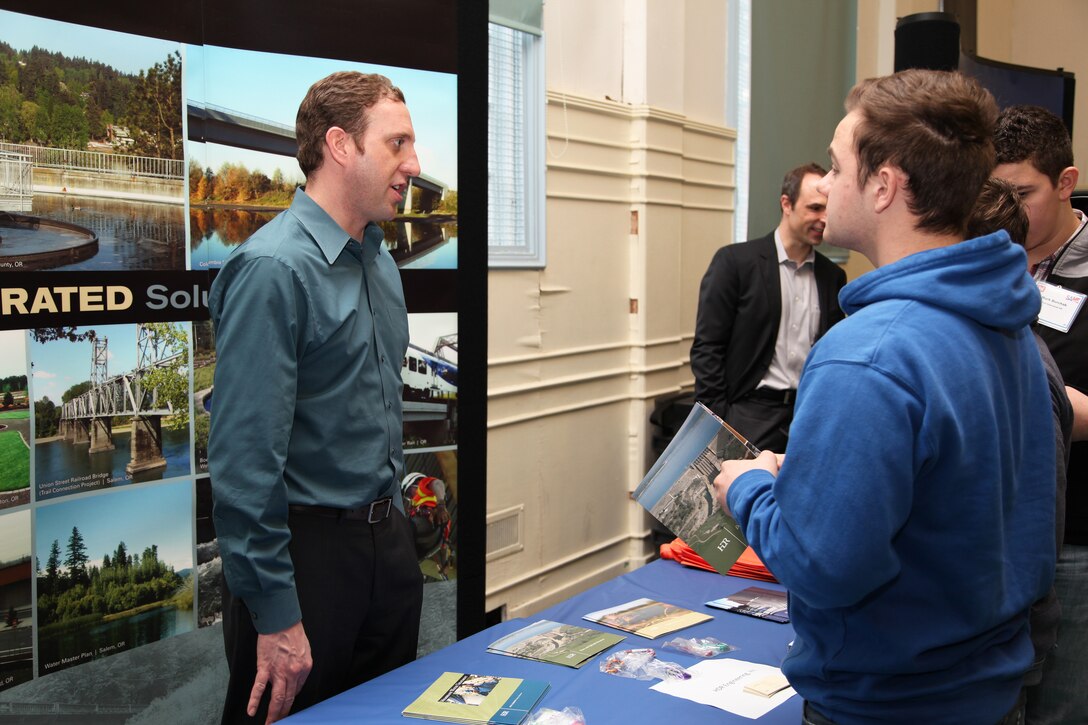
point(604, 699)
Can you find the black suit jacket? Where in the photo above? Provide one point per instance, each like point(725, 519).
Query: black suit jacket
point(736, 328)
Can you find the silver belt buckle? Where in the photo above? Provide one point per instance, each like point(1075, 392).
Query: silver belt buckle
point(379, 510)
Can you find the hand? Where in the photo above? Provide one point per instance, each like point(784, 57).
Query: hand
point(283, 658)
point(766, 461)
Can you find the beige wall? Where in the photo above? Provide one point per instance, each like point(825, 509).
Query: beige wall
point(1039, 33)
point(639, 195)
point(1043, 34)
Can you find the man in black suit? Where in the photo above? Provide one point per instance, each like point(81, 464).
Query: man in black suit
point(762, 305)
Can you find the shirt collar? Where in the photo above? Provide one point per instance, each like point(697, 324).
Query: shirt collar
point(330, 238)
point(783, 257)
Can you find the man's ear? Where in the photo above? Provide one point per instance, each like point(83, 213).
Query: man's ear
point(886, 186)
point(1067, 182)
point(784, 202)
point(337, 142)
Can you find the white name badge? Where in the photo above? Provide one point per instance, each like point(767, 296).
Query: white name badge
point(1060, 306)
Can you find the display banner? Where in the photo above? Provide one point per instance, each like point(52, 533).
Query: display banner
point(138, 149)
point(37, 299)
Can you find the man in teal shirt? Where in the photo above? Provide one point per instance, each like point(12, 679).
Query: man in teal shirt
point(323, 590)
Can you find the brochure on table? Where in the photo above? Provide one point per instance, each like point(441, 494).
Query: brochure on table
point(722, 683)
point(559, 644)
point(468, 698)
point(647, 617)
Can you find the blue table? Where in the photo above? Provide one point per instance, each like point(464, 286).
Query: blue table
point(604, 699)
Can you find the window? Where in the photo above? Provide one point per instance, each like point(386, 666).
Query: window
point(515, 148)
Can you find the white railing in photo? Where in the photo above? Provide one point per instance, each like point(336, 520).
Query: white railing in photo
point(98, 161)
point(16, 181)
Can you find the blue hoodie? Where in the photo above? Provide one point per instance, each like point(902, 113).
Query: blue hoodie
point(913, 517)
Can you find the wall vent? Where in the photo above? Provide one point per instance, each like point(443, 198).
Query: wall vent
point(504, 532)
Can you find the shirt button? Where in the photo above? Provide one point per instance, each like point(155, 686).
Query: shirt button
point(392, 451)
point(383, 358)
point(388, 405)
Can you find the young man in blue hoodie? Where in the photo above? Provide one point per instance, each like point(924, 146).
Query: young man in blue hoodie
point(912, 517)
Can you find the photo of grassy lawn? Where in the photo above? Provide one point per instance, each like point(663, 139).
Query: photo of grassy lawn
point(14, 451)
point(14, 421)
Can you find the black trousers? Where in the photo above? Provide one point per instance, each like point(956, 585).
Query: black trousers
point(361, 592)
point(764, 423)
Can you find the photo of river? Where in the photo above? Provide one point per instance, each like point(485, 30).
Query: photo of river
point(413, 244)
point(62, 467)
point(214, 233)
point(78, 643)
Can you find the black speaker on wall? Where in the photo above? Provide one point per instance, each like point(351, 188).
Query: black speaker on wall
point(927, 40)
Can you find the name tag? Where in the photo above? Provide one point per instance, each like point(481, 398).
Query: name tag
point(1060, 306)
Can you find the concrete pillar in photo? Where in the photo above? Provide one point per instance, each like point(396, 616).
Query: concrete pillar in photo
point(101, 434)
point(81, 430)
point(146, 445)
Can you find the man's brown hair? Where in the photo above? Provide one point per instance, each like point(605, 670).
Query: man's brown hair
point(1035, 135)
point(998, 207)
point(937, 127)
point(340, 99)
point(791, 184)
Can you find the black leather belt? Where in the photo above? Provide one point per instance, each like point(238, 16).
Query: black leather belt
point(371, 513)
point(785, 397)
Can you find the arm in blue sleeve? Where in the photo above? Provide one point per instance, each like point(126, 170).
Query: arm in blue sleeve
point(261, 320)
point(825, 526)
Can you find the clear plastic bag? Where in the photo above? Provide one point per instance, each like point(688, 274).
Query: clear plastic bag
point(642, 664)
point(699, 646)
point(566, 716)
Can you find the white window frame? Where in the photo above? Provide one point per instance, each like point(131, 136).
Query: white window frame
point(529, 250)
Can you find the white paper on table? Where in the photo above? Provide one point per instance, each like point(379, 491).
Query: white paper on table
point(720, 683)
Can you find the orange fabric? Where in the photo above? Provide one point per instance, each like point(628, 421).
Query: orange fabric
point(748, 565)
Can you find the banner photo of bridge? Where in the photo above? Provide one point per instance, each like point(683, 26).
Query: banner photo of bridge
point(241, 150)
point(91, 150)
point(111, 406)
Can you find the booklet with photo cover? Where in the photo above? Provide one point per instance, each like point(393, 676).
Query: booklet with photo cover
point(477, 699)
point(678, 491)
point(756, 602)
point(647, 617)
point(559, 644)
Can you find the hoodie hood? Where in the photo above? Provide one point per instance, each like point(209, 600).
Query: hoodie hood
point(960, 278)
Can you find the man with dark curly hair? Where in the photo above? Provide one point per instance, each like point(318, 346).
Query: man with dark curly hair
point(1035, 155)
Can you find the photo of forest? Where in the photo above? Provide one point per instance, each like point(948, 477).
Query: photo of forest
point(91, 148)
point(50, 99)
point(114, 572)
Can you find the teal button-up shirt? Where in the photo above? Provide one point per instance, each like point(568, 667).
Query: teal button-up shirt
point(311, 331)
